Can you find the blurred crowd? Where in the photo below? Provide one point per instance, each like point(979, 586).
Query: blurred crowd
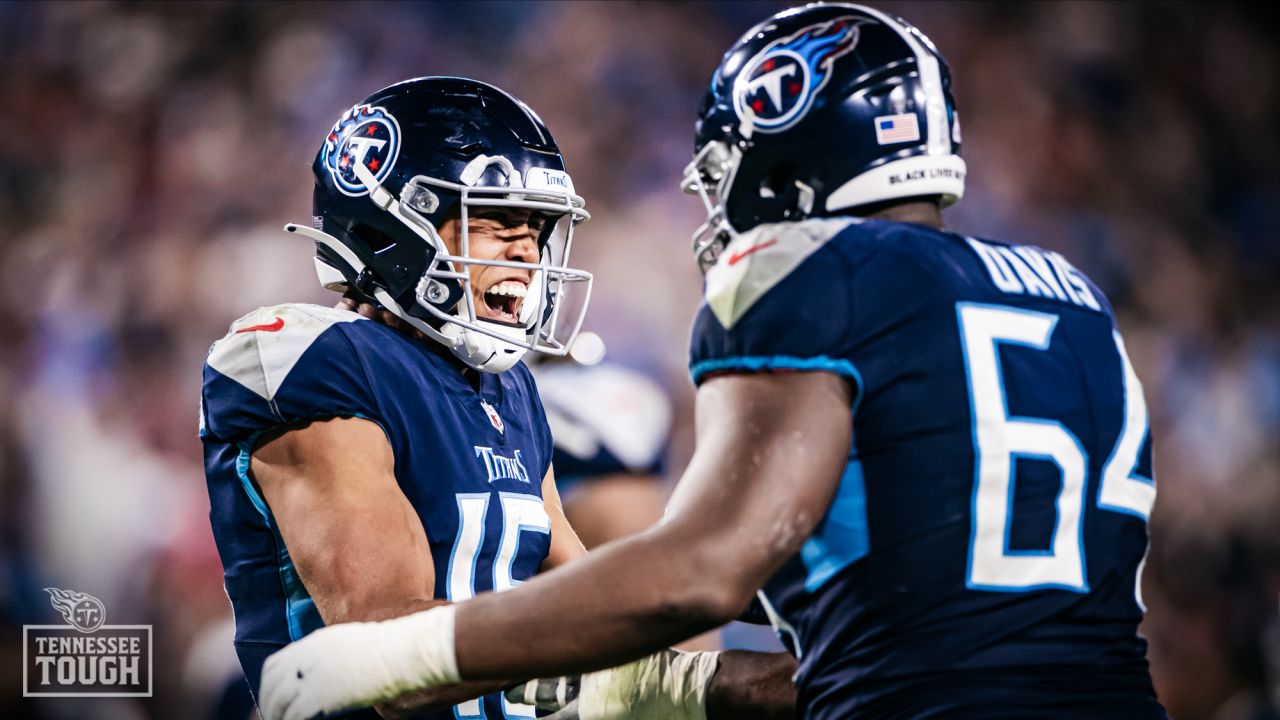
point(150, 154)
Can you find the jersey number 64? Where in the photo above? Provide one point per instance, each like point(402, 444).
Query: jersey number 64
point(999, 439)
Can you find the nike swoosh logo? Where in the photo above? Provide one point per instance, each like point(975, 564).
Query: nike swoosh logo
point(734, 258)
point(270, 327)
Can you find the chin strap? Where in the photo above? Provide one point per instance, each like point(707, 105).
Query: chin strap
point(358, 269)
point(459, 340)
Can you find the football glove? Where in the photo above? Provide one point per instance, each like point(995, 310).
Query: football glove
point(669, 685)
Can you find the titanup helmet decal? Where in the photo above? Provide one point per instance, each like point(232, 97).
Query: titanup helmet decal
point(779, 85)
point(364, 134)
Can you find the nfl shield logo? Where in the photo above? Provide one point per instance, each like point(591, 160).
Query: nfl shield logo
point(494, 419)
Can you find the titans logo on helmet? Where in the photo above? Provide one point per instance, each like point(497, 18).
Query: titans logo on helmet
point(363, 134)
point(778, 86)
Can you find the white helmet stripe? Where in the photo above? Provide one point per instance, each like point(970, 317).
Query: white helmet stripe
point(931, 79)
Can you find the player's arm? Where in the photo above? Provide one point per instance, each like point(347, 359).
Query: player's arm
point(357, 543)
point(565, 545)
point(752, 684)
point(771, 450)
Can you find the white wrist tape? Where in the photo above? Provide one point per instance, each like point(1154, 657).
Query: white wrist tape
point(353, 665)
point(418, 649)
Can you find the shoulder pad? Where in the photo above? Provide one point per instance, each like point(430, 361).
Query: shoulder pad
point(758, 260)
point(262, 347)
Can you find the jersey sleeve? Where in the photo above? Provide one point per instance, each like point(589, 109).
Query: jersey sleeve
point(779, 299)
point(281, 366)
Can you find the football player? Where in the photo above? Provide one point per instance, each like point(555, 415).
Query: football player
point(391, 454)
point(930, 450)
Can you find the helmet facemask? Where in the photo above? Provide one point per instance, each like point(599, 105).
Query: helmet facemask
point(710, 176)
point(444, 305)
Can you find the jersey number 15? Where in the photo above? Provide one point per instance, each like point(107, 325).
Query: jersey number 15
point(519, 514)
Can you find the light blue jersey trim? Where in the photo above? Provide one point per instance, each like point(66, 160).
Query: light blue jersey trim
point(300, 610)
point(763, 363)
point(242, 471)
point(842, 537)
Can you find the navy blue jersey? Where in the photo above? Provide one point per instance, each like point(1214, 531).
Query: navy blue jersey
point(470, 463)
point(606, 420)
point(981, 555)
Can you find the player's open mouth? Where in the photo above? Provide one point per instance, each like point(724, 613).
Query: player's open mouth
point(504, 299)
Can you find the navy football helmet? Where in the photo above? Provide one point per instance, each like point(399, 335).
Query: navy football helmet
point(819, 111)
point(408, 158)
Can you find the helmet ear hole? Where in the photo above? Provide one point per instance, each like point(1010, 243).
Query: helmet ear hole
point(375, 239)
point(779, 180)
point(783, 195)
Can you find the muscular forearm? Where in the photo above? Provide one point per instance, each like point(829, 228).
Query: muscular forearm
point(755, 685)
point(573, 623)
point(747, 501)
point(413, 704)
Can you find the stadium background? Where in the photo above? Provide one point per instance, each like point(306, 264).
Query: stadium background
point(151, 152)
